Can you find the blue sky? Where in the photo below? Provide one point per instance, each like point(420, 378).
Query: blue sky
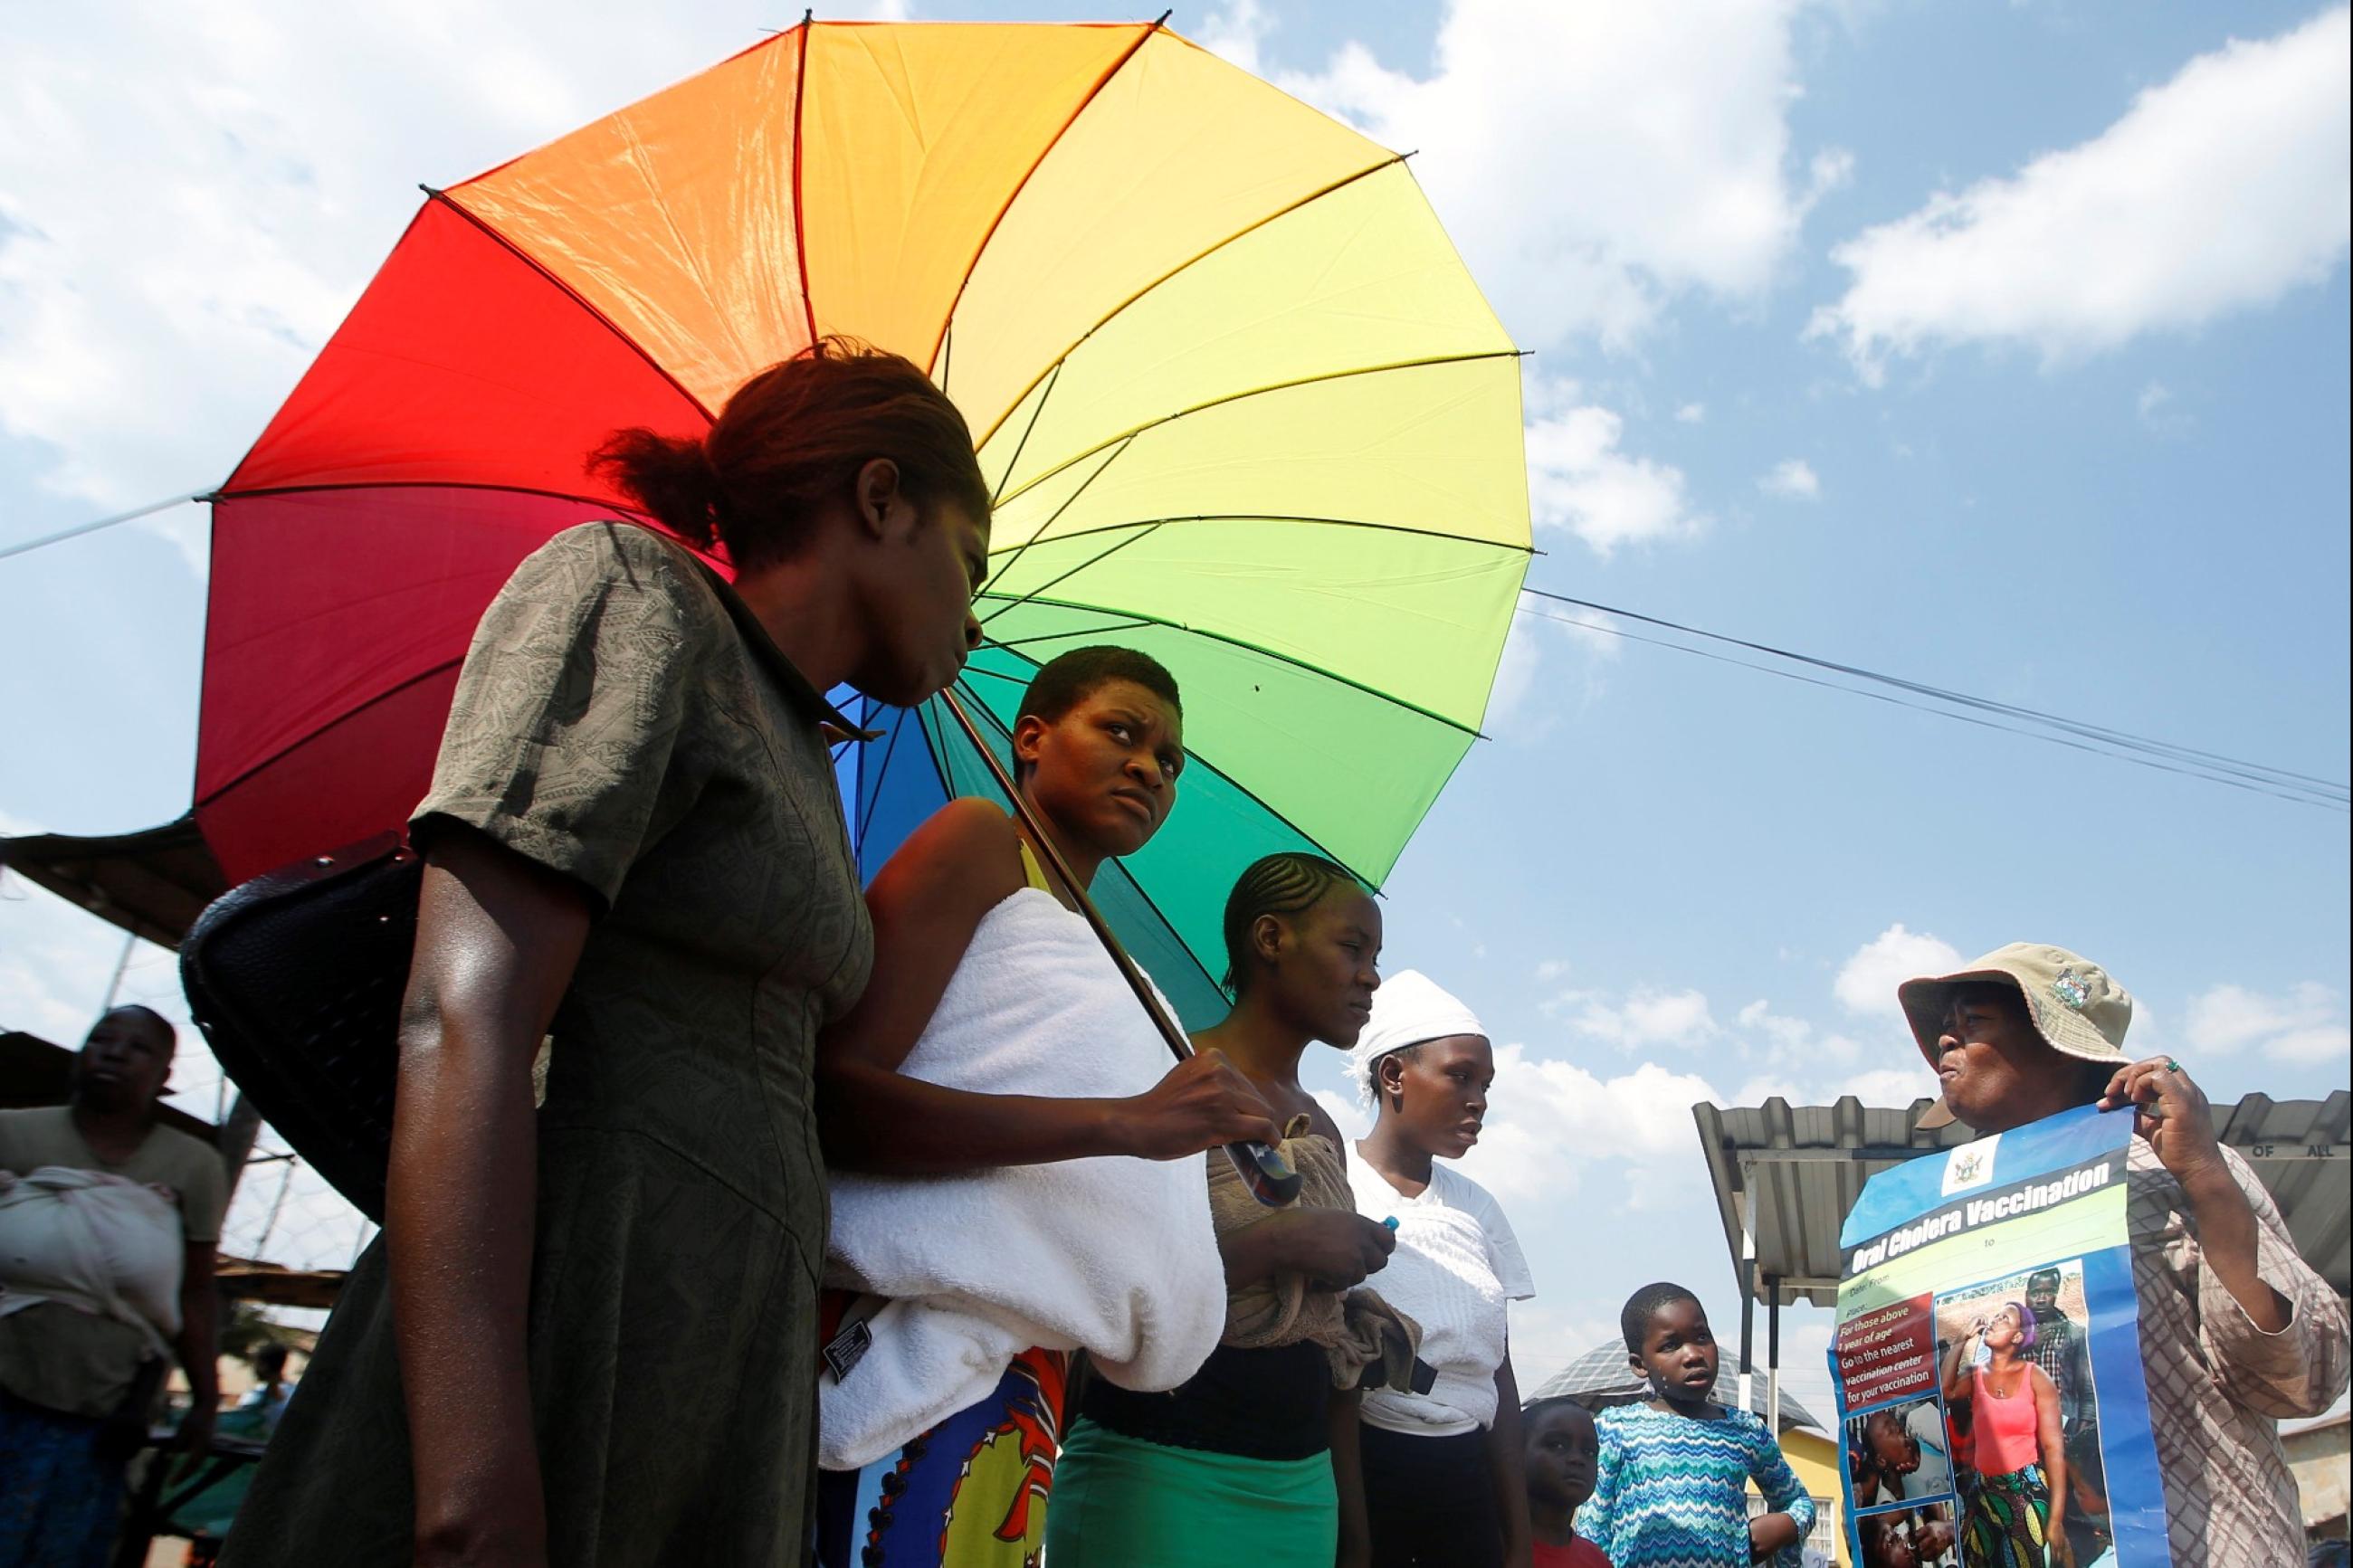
point(2001, 347)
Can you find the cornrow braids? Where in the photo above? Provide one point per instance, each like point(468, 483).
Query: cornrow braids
point(1281, 884)
point(1634, 1321)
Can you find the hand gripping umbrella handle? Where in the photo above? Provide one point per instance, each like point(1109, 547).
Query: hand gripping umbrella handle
point(1263, 1170)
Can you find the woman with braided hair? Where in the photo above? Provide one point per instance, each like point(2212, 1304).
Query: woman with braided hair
point(1260, 1448)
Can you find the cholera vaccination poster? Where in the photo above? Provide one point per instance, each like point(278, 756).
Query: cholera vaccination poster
point(1987, 1362)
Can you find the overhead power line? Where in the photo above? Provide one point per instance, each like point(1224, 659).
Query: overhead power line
point(29, 545)
point(2142, 751)
point(2053, 729)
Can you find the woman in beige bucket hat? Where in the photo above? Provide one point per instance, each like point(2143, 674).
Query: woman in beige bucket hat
point(2237, 1331)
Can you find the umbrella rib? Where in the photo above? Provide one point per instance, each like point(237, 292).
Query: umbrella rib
point(1023, 548)
point(973, 264)
point(520, 254)
point(1189, 262)
point(1143, 531)
point(1129, 435)
point(265, 491)
point(1014, 462)
point(1161, 915)
point(801, 226)
point(1061, 637)
point(1297, 518)
point(866, 816)
point(345, 717)
point(1149, 619)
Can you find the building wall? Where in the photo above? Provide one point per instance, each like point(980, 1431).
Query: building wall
point(1816, 1459)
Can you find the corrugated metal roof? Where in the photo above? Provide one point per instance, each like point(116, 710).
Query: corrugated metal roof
point(1601, 1378)
point(1794, 1170)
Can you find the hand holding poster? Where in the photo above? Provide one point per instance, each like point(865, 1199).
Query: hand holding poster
point(1987, 1359)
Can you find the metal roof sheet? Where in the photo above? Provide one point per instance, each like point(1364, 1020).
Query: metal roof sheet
point(1601, 1378)
point(1794, 1170)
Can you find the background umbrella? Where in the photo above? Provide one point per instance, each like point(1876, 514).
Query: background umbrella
point(1241, 405)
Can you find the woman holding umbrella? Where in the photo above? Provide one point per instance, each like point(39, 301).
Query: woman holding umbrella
point(2018, 1510)
point(585, 1338)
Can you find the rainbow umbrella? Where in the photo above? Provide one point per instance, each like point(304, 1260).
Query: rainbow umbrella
point(1240, 403)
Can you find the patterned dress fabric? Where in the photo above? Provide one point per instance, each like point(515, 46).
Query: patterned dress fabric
point(2217, 1385)
point(970, 1493)
point(623, 719)
point(2008, 1520)
point(1672, 1491)
point(60, 1497)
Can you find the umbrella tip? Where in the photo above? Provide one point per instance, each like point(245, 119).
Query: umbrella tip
point(1162, 20)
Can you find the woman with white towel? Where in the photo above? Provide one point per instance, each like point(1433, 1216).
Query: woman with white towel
point(1009, 1149)
point(1443, 1480)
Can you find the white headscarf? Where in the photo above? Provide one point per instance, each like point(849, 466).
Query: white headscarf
point(1408, 1009)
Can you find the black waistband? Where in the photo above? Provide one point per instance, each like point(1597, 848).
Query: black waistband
point(1256, 1404)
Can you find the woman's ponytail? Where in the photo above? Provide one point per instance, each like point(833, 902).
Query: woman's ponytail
point(789, 443)
point(669, 477)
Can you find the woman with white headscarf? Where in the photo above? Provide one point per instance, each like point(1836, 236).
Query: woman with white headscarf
point(1443, 1469)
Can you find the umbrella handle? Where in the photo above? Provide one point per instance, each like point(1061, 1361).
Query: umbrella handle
point(1262, 1168)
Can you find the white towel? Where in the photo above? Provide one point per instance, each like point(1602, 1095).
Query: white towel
point(1115, 1255)
point(99, 1243)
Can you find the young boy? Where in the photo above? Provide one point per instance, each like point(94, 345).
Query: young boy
point(1562, 1451)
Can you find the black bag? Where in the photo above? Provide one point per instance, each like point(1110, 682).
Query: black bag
point(296, 979)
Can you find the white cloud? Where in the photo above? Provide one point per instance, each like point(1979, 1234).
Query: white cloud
point(1521, 677)
point(194, 196)
point(1353, 1119)
point(1792, 478)
point(1551, 969)
point(1692, 414)
point(1580, 481)
point(2156, 410)
point(1545, 1337)
point(1866, 982)
point(1645, 1018)
point(1594, 162)
point(1549, 1120)
point(2306, 1024)
point(2217, 191)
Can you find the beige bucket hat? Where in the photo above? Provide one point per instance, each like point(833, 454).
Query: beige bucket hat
point(2077, 1009)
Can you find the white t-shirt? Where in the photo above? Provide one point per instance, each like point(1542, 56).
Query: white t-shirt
point(1456, 1264)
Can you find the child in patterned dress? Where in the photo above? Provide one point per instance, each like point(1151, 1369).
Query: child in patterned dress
point(1672, 1489)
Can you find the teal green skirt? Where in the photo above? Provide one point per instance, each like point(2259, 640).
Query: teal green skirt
point(1121, 1502)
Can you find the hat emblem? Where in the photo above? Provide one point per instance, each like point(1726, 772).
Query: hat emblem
point(2072, 990)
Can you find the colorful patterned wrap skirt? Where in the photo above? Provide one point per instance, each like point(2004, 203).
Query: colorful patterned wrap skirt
point(969, 1493)
point(2009, 1518)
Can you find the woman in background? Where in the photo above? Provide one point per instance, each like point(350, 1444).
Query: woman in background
point(1443, 1469)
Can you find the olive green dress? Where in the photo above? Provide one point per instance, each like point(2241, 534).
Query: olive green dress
point(623, 719)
